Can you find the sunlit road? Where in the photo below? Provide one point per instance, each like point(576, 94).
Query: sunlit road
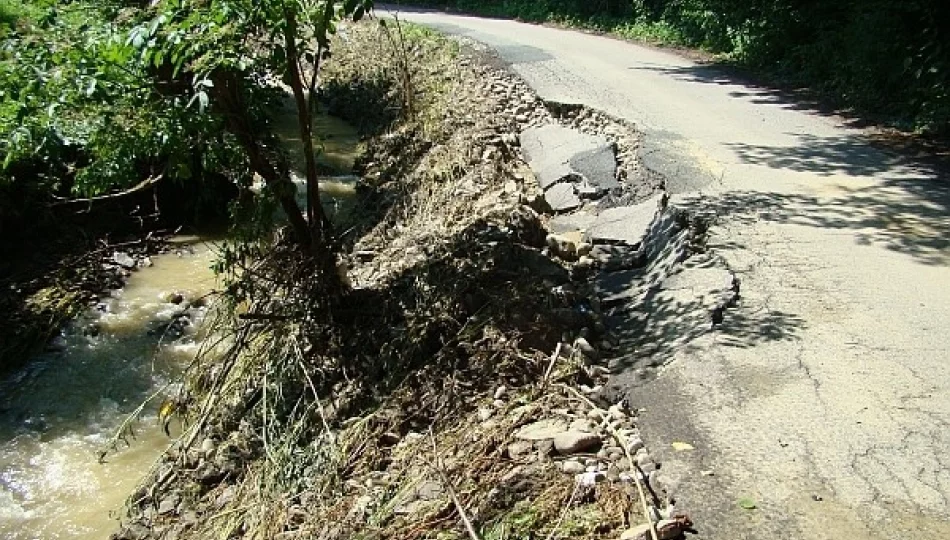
point(831, 407)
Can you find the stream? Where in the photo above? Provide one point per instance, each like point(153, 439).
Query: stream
point(62, 409)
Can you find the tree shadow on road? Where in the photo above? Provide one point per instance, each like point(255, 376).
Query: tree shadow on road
point(908, 216)
point(667, 308)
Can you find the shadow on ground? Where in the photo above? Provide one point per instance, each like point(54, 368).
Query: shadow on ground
point(909, 216)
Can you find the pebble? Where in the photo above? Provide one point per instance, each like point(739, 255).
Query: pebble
point(634, 444)
point(585, 348)
point(207, 446)
point(500, 392)
point(499, 403)
point(572, 467)
point(485, 413)
point(518, 449)
point(571, 442)
point(616, 413)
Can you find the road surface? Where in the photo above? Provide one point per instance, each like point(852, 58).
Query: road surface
point(830, 407)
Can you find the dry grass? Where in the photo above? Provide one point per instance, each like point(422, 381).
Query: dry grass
point(362, 416)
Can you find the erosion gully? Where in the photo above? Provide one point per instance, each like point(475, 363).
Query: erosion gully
point(61, 410)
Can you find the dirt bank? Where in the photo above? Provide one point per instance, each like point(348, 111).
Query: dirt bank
point(454, 391)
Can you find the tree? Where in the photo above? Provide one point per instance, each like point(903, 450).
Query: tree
point(222, 52)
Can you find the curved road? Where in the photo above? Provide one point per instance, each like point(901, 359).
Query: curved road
point(831, 407)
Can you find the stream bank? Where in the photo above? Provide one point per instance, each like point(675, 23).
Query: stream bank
point(460, 379)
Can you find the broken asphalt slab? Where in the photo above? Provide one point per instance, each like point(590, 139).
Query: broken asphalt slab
point(569, 165)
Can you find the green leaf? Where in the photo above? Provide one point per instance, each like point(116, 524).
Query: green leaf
point(747, 503)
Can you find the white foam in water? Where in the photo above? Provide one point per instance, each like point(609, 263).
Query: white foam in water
point(58, 412)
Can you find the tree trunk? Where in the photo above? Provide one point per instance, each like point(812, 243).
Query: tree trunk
point(319, 224)
point(229, 94)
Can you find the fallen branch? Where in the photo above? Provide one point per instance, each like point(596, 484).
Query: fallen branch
point(141, 186)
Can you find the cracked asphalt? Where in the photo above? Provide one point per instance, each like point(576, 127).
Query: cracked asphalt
point(825, 397)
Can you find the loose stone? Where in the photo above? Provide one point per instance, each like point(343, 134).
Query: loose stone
point(572, 442)
point(572, 467)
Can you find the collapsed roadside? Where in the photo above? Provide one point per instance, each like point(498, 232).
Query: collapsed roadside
point(457, 390)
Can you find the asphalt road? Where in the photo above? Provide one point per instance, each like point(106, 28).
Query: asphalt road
point(830, 405)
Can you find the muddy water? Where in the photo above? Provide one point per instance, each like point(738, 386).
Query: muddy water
point(58, 412)
point(337, 147)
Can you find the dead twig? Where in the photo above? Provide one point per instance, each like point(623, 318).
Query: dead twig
point(437, 465)
point(570, 501)
point(554, 357)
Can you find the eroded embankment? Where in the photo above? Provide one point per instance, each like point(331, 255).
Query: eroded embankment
point(455, 391)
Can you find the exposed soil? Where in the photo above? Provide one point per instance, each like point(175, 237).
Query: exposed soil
point(451, 391)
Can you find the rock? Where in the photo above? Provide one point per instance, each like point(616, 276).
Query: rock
point(389, 438)
point(562, 246)
point(582, 425)
point(499, 403)
point(146, 262)
point(521, 118)
point(596, 414)
point(519, 449)
point(586, 348)
point(500, 391)
point(169, 504)
point(616, 413)
point(544, 447)
point(640, 532)
point(541, 430)
point(634, 444)
point(654, 480)
point(667, 529)
point(562, 197)
point(526, 226)
point(207, 446)
point(173, 298)
point(572, 467)
point(485, 413)
point(123, 259)
point(571, 442)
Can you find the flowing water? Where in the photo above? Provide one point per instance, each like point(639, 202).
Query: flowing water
point(60, 411)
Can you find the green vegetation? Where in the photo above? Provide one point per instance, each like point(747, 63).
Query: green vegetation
point(121, 117)
point(885, 59)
